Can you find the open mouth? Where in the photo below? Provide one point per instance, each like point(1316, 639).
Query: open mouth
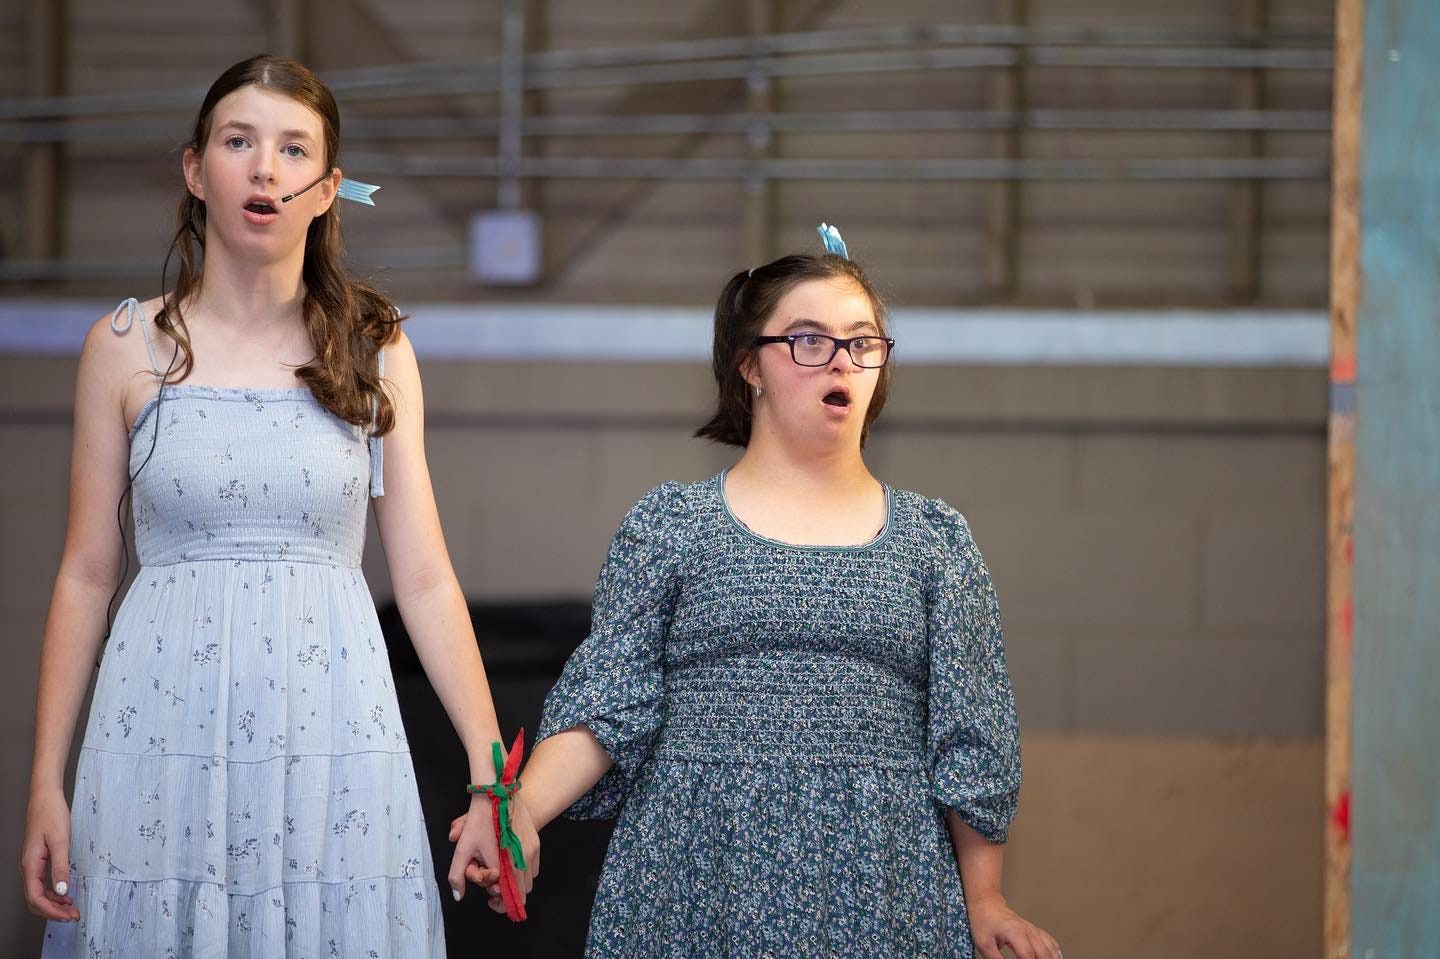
point(836, 398)
point(259, 207)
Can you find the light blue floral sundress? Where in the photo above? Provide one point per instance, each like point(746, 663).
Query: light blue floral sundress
point(245, 788)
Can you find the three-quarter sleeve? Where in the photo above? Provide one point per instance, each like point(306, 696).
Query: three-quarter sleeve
point(614, 681)
point(973, 733)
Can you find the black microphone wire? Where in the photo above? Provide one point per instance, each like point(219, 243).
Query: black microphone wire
point(130, 482)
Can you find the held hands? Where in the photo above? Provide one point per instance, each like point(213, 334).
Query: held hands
point(994, 925)
point(477, 858)
point(47, 843)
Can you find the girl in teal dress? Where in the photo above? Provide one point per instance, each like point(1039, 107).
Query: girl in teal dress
point(794, 694)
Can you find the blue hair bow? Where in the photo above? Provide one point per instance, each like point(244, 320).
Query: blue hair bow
point(833, 243)
point(356, 191)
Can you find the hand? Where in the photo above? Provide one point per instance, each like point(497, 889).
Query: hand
point(474, 838)
point(994, 925)
point(477, 872)
point(476, 868)
point(47, 843)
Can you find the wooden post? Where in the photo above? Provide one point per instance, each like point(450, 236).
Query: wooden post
point(1344, 306)
point(759, 211)
point(43, 213)
point(1247, 197)
point(1002, 206)
point(1390, 56)
point(287, 29)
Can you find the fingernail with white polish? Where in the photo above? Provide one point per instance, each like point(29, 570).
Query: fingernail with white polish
point(456, 894)
point(61, 888)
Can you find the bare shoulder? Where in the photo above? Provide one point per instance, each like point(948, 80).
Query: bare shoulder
point(114, 360)
point(153, 306)
point(401, 383)
point(399, 350)
point(402, 371)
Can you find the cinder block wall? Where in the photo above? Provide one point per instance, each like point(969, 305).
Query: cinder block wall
point(1156, 537)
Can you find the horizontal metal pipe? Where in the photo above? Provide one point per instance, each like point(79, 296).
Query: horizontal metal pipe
point(869, 121)
point(947, 46)
point(398, 258)
point(841, 40)
point(466, 81)
point(853, 121)
point(706, 168)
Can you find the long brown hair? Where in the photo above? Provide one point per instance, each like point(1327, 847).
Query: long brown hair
point(348, 321)
point(740, 313)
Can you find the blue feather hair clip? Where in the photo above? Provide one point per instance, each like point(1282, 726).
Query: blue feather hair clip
point(833, 243)
point(356, 191)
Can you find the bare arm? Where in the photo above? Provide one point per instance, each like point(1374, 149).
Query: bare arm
point(993, 924)
point(429, 597)
point(561, 770)
point(605, 712)
point(75, 626)
point(426, 589)
point(981, 861)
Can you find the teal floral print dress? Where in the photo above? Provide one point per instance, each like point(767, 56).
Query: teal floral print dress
point(789, 726)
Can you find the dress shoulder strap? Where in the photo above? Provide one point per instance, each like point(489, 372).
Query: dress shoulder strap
point(377, 443)
point(132, 309)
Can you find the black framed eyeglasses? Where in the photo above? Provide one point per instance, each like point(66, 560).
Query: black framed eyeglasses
point(818, 349)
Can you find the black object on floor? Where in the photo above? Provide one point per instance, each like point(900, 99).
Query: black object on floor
point(525, 646)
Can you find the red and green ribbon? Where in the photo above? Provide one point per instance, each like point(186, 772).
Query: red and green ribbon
point(511, 855)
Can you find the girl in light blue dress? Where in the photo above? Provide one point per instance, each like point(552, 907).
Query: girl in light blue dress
point(244, 786)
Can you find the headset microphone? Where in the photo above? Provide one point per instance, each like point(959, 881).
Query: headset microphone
point(323, 177)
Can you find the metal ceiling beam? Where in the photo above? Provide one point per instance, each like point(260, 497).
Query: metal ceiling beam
point(788, 168)
point(840, 121)
point(813, 53)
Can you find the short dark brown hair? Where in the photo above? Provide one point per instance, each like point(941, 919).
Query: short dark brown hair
point(744, 305)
